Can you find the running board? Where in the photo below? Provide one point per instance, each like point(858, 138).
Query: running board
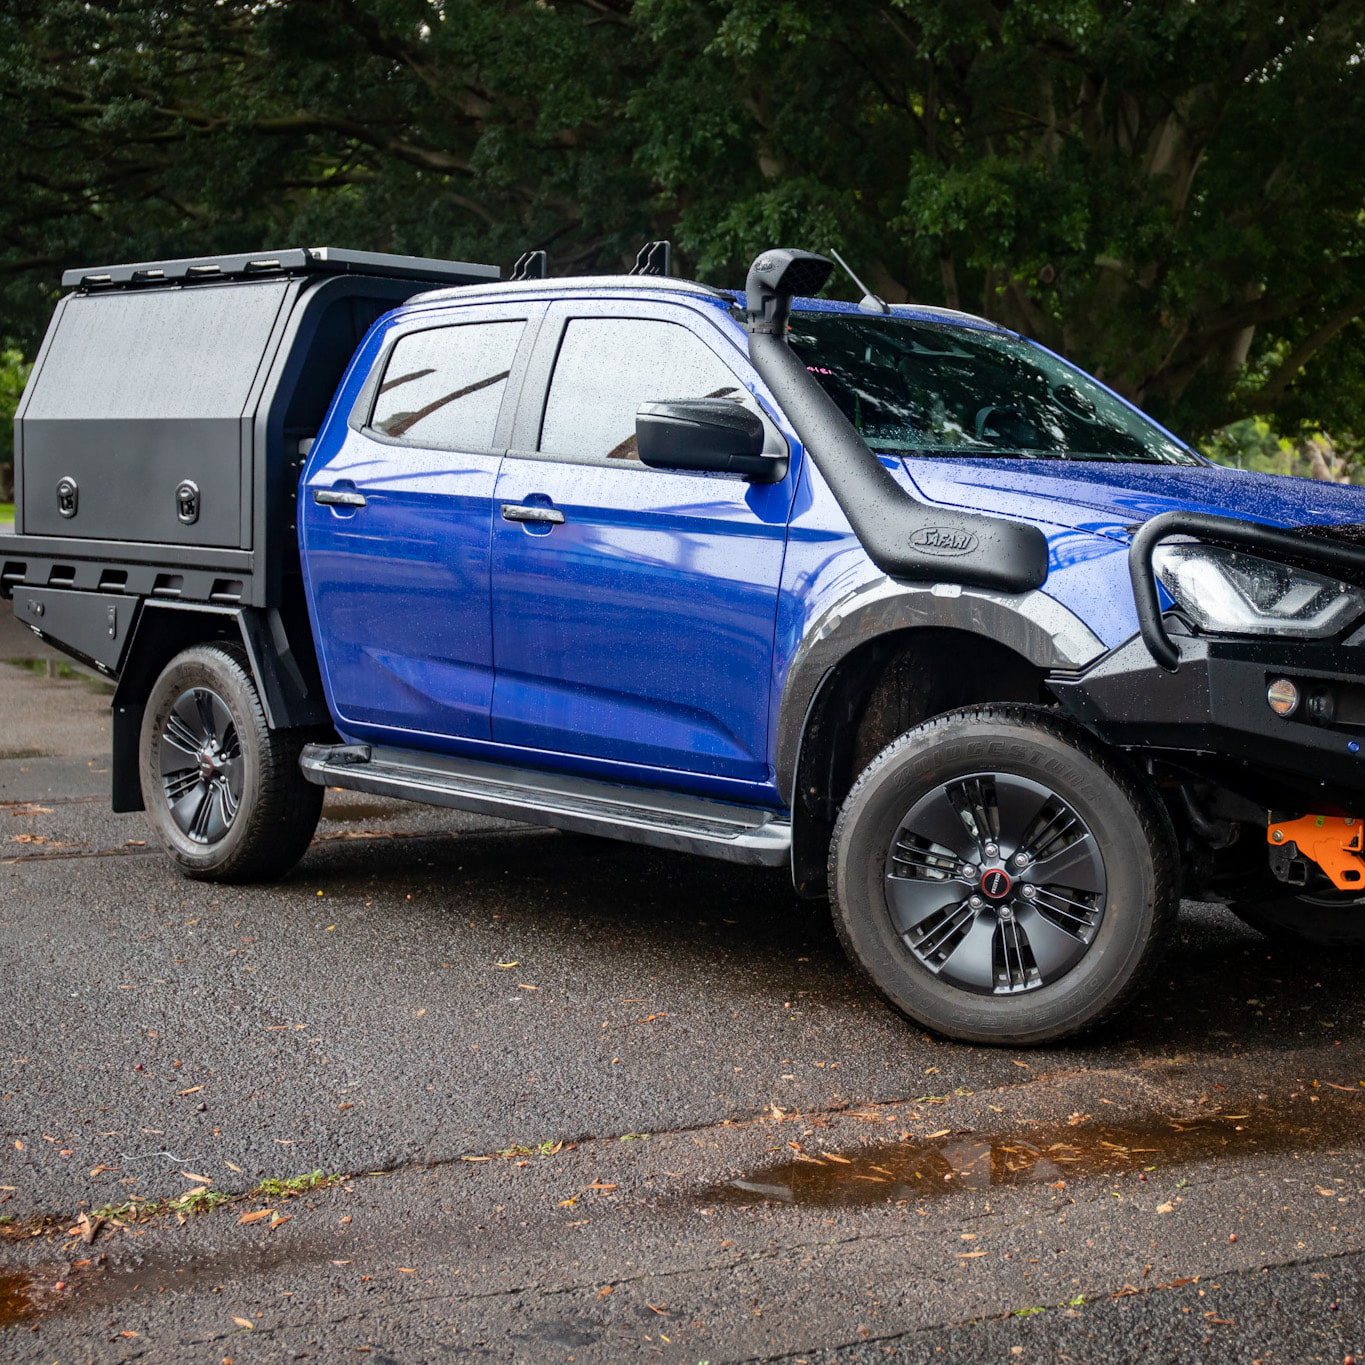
point(639, 815)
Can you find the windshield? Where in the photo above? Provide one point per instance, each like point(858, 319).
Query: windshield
point(926, 388)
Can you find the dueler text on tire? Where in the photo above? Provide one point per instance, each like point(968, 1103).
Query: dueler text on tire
point(223, 790)
point(1000, 878)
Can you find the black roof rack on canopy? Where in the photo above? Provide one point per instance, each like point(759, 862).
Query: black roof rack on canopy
point(316, 260)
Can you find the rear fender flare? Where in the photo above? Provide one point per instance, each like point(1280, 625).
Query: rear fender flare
point(165, 629)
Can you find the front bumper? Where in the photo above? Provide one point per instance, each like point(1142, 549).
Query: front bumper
point(1211, 715)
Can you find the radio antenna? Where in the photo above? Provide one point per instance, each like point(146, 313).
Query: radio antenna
point(871, 303)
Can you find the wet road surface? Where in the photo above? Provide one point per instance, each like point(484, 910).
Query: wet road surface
point(571, 1100)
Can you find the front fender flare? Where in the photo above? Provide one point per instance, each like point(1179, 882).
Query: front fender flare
point(1034, 625)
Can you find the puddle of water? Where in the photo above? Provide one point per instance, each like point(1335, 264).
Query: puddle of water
point(106, 1281)
point(24, 1294)
point(60, 669)
point(959, 1162)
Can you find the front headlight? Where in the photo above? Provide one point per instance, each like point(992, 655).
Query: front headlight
point(1240, 594)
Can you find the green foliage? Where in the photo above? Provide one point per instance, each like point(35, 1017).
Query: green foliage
point(13, 376)
point(1171, 194)
point(1253, 444)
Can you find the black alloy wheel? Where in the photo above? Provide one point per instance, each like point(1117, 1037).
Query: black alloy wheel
point(223, 790)
point(995, 883)
point(202, 768)
point(1002, 878)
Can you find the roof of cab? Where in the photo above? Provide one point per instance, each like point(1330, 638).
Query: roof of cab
point(649, 284)
point(573, 284)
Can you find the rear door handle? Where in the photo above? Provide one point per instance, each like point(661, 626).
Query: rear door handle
point(524, 511)
point(338, 497)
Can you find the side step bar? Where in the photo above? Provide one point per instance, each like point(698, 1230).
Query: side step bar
point(716, 829)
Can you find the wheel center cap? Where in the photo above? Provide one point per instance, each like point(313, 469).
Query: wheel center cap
point(996, 884)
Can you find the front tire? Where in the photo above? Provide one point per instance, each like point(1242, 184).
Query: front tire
point(223, 791)
point(1000, 879)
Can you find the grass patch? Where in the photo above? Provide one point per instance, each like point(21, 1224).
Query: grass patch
point(299, 1184)
point(205, 1200)
point(546, 1148)
point(201, 1200)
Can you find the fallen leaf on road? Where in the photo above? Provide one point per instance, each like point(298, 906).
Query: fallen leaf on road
point(1165, 1208)
point(87, 1228)
point(203, 1179)
point(503, 966)
point(968, 1255)
point(567, 1203)
point(193, 1090)
point(18, 1146)
point(522, 986)
point(605, 1290)
point(98, 1170)
point(246, 1323)
point(476, 1158)
point(408, 1269)
point(1324, 1192)
point(279, 1219)
point(662, 1312)
point(256, 1216)
point(600, 1185)
point(231, 1167)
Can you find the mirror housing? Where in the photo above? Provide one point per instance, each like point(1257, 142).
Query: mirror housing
point(715, 435)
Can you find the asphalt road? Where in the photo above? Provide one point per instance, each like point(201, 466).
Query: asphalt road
point(537, 1065)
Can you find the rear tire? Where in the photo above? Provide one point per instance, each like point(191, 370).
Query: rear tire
point(223, 791)
point(1001, 879)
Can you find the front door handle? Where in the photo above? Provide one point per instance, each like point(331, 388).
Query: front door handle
point(527, 511)
point(338, 497)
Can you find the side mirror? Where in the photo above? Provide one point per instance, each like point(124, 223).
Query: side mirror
point(712, 434)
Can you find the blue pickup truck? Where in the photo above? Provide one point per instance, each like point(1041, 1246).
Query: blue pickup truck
point(889, 596)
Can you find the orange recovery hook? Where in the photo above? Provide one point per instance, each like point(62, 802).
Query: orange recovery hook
point(1331, 841)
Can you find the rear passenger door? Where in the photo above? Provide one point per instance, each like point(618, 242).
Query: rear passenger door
point(396, 529)
point(633, 627)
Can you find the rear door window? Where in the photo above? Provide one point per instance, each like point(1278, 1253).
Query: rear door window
point(443, 387)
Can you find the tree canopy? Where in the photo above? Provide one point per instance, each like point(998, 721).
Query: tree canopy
point(1171, 192)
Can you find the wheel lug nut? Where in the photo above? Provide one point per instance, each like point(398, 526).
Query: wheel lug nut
point(976, 902)
point(1029, 892)
point(1022, 860)
point(992, 850)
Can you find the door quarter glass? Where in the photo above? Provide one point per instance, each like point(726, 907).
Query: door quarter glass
point(607, 367)
point(442, 387)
